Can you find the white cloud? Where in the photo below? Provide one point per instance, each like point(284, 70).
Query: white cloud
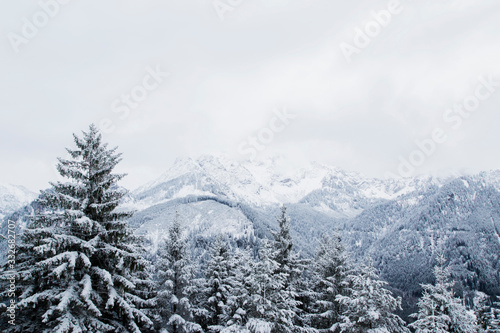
point(227, 76)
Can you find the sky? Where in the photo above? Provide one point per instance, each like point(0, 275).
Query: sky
point(385, 88)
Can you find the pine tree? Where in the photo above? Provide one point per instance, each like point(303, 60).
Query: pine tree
point(176, 285)
point(240, 302)
point(219, 284)
point(488, 316)
point(367, 306)
point(289, 261)
point(271, 304)
point(439, 310)
point(329, 272)
point(80, 266)
point(290, 268)
point(283, 244)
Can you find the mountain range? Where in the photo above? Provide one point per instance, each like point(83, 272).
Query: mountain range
point(13, 197)
point(401, 224)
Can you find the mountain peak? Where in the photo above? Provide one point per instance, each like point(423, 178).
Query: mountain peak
point(13, 197)
point(271, 181)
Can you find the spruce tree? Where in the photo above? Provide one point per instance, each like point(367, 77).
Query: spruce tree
point(488, 316)
point(271, 303)
point(220, 280)
point(367, 306)
point(290, 268)
point(283, 244)
point(176, 284)
point(289, 261)
point(329, 272)
point(240, 302)
point(439, 310)
point(80, 266)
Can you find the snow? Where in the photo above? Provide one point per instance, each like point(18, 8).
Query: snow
point(87, 287)
point(112, 296)
point(85, 259)
point(495, 229)
point(270, 182)
point(258, 326)
point(70, 258)
point(13, 197)
point(124, 282)
point(105, 275)
point(190, 190)
point(195, 219)
point(65, 299)
point(57, 272)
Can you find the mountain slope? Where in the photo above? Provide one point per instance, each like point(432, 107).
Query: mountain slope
point(13, 197)
point(402, 224)
point(344, 194)
point(460, 219)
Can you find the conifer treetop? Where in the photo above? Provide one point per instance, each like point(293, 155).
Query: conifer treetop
point(91, 187)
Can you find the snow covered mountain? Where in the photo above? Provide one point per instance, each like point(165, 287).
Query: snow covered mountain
point(401, 223)
point(220, 195)
point(254, 191)
point(323, 187)
point(13, 197)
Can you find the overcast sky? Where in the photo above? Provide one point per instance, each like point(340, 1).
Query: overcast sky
point(233, 64)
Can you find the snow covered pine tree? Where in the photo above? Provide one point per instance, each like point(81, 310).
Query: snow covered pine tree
point(240, 301)
point(329, 271)
point(367, 306)
point(219, 284)
point(80, 267)
point(487, 313)
point(439, 311)
point(272, 286)
point(270, 306)
point(291, 267)
point(176, 287)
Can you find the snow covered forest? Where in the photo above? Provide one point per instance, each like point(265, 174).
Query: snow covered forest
point(268, 166)
point(80, 266)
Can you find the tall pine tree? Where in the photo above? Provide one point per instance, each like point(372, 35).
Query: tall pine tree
point(439, 310)
point(80, 266)
point(219, 284)
point(290, 267)
point(271, 304)
point(487, 313)
point(240, 302)
point(176, 284)
point(367, 306)
point(329, 271)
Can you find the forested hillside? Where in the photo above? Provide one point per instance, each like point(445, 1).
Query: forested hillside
point(217, 246)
